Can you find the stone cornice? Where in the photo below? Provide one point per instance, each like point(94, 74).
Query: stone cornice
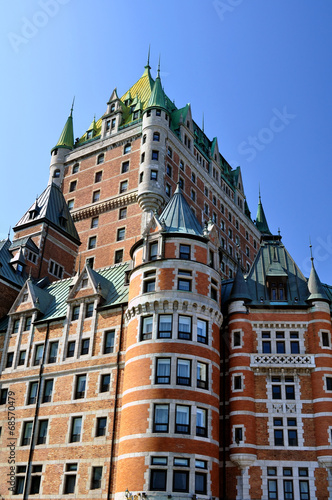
point(104, 206)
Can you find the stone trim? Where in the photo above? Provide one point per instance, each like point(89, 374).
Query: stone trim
point(104, 206)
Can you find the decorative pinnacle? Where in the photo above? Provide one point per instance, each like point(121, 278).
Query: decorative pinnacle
point(158, 73)
point(9, 232)
point(259, 191)
point(310, 246)
point(148, 61)
point(72, 107)
point(203, 122)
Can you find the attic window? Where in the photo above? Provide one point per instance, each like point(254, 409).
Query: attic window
point(135, 115)
point(112, 107)
point(89, 134)
point(277, 291)
point(84, 283)
point(25, 297)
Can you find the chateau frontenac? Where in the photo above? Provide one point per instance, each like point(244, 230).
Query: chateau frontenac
point(157, 342)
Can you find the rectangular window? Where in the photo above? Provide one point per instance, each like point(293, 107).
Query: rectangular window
point(184, 252)
point(272, 485)
point(155, 155)
point(38, 354)
point(3, 396)
point(123, 186)
point(118, 256)
point(33, 389)
point(97, 473)
point(109, 342)
point(10, 359)
point(27, 431)
point(182, 419)
point(238, 434)
point(20, 479)
point(98, 176)
point(288, 489)
point(184, 329)
point(89, 310)
point(169, 170)
point(27, 324)
point(16, 325)
point(201, 422)
point(160, 420)
point(85, 346)
point(101, 426)
point(48, 389)
point(184, 285)
point(202, 329)
point(105, 382)
point(92, 242)
point(325, 339)
point(329, 383)
point(76, 430)
point(149, 285)
point(75, 313)
point(71, 349)
point(200, 483)
point(80, 387)
point(153, 250)
point(123, 213)
point(95, 196)
point(124, 167)
point(168, 190)
point(163, 371)
point(52, 355)
point(158, 480)
point(70, 479)
point(165, 326)
point(202, 378)
point(154, 175)
point(237, 383)
point(121, 234)
point(304, 490)
point(183, 374)
point(35, 479)
point(21, 359)
point(147, 322)
point(72, 186)
point(180, 481)
point(42, 431)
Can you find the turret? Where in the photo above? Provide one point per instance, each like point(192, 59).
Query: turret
point(155, 126)
point(58, 154)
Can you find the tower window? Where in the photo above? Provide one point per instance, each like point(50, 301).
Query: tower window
point(56, 174)
point(154, 175)
point(100, 159)
point(156, 136)
point(155, 155)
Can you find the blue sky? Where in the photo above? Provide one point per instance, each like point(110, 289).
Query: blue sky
point(259, 71)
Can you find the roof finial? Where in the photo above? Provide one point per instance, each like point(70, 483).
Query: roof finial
point(79, 265)
point(203, 122)
point(310, 246)
point(279, 231)
point(259, 191)
point(9, 232)
point(158, 73)
point(148, 61)
point(72, 107)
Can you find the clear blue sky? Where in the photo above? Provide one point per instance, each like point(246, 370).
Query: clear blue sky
point(260, 71)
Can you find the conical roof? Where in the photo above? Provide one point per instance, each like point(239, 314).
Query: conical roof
point(261, 222)
point(240, 288)
point(177, 217)
point(157, 97)
point(66, 139)
point(315, 286)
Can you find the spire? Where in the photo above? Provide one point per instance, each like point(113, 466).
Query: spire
point(240, 288)
point(315, 286)
point(203, 122)
point(261, 222)
point(66, 139)
point(157, 97)
point(148, 61)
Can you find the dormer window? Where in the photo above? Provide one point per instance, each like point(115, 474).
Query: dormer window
point(112, 108)
point(277, 291)
point(25, 297)
point(89, 134)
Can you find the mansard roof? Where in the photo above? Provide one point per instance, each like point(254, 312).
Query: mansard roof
point(53, 209)
point(177, 216)
point(273, 261)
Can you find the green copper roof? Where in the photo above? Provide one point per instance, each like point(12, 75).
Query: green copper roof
point(316, 289)
point(93, 125)
point(66, 139)
point(261, 222)
point(177, 216)
point(157, 97)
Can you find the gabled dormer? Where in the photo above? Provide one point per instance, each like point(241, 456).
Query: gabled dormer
point(31, 298)
point(214, 153)
point(89, 284)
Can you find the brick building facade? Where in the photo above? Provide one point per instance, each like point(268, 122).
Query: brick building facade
point(155, 341)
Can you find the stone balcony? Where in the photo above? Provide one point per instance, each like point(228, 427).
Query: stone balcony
point(297, 362)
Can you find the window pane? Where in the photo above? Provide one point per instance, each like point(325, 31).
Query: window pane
point(161, 418)
point(184, 327)
point(201, 331)
point(158, 480)
point(147, 327)
point(180, 481)
point(200, 483)
point(165, 326)
point(182, 419)
point(273, 491)
point(163, 370)
point(183, 372)
point(201, 375)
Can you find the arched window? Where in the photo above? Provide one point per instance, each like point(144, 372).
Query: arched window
point(156, 136)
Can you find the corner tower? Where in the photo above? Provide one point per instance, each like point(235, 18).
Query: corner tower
point(169, 428)
point(64, 145)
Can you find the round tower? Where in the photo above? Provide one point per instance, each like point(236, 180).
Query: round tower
point(58, 154)
point(169, 429)
point(155, 123)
